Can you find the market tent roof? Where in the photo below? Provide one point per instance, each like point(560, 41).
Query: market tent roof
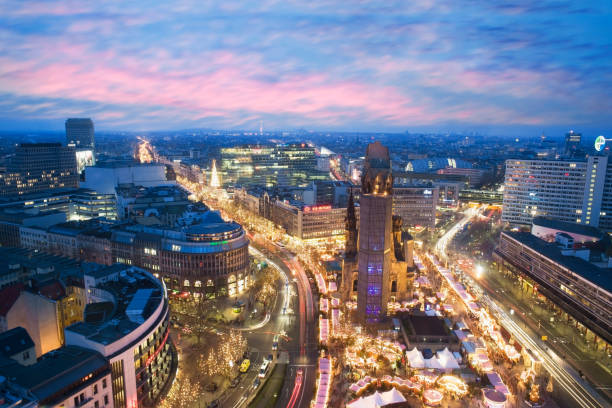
point(378, 399)
point(433, 363)
point(447, 359)
point(415, 358)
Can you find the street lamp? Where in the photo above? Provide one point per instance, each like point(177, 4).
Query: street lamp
point(479, 271)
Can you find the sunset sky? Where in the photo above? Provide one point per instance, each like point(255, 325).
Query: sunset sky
point(340, 65)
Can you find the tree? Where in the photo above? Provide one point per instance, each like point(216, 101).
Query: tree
point(182, 394)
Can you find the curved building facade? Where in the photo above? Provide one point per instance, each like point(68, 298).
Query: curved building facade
point(127, 321)
point(209, 257)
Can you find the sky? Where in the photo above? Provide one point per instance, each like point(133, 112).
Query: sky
point(492, 66)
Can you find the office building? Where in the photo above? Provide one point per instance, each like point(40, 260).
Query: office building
point(474, 176)
point(572, 144)
point(268, 166)
point(126, 321)
point(201, 253)
point(449, 185)
point(80, 133)
point(104, 178)
point(416, 205)
point(572, 271)
point(309, 222)
point(39, 167)
point(566, 190)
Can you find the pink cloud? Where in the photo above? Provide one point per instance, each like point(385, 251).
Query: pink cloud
point(226, 89)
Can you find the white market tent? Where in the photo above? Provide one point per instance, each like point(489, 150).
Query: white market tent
point(415, 358)
point(378, 399)
point(447, 359)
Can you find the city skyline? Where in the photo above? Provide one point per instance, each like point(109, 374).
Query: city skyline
point(504, 69)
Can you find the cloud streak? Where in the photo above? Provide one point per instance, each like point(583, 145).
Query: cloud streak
point(323, 64)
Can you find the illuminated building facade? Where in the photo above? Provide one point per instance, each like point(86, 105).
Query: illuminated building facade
point(572, 143)
point(203, 254)
point(564, 272)
point(566, 190)
point(292, 164)
point(127, 322)
point(416, 205)
point(80, 135)
point(375, 234)
point(39, 167)
point(381, 269)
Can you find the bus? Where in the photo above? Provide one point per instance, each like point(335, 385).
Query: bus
point(265, 367)
point(244, 367)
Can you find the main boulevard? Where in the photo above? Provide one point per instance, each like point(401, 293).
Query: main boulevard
point(576, 392)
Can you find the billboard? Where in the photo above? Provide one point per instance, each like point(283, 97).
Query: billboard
point(84, 158)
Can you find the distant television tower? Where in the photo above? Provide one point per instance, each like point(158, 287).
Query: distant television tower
point(261, 128)
point(214, 177)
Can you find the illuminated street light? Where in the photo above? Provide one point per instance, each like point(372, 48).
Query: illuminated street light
point(479, 271)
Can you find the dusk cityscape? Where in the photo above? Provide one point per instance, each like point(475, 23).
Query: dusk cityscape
point(291, 204)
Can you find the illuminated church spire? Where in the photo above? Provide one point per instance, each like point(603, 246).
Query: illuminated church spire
point(214, 177)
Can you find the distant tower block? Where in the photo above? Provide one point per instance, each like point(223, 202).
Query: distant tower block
point(214, 176)
point(375, 235)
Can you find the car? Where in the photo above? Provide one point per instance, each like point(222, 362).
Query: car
point(211, 387)
point(244, 367)
point(214, 404)
point(265, 367)
point(275, 342)
point(235, 382)
point(270, 357)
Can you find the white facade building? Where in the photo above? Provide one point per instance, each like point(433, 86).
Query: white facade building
point(135, 338)
point(565, 190)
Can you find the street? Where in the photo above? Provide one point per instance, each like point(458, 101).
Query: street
point(579, 393)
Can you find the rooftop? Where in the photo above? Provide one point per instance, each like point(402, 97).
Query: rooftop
point(599, 276)
point(55, 371)
point(107, 322)
point(426, 325)
point(571, 227)
point(15, 341)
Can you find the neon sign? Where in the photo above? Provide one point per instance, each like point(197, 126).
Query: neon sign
point(600, 143)
point(318, 208)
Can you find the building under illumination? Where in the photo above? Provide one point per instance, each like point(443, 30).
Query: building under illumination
point(80, 135)
point(567, 190)
point(567, 263)
point(200, 253)
point(126, 321)
point(383, 250)
point(39, 167)
point(282, 165)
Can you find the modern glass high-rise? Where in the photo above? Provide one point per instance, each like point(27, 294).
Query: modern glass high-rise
point(572, 143)
point(375, 235)
point(280, 165)
point(80, 133)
